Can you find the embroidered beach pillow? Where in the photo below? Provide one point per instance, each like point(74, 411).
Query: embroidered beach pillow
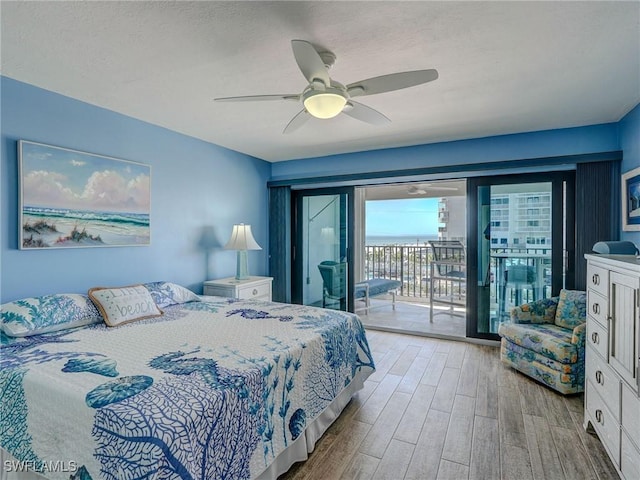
point(48, 313)
point(124, 304)
point(167, 293)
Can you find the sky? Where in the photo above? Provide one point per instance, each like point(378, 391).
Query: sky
point(61, 178)
point(414, 216)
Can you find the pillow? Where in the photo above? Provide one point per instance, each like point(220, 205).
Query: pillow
point(124, 304)
point(167, 293)
point(572, 308)
point(48, 313)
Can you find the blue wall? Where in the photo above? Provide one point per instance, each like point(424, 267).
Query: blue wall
point(198, 186)
point(195, 187)
point(623, 135)
point(630, 145)
point(569, 141)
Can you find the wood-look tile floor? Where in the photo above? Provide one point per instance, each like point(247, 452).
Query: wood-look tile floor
point(441, 409)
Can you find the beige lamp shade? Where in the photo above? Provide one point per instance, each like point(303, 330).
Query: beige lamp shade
point(242, 239)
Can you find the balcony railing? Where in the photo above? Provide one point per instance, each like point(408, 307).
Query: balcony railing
point(407, 263)
point(410, 264)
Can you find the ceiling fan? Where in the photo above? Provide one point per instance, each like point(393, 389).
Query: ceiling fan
point(422, 189)
point(325, 98)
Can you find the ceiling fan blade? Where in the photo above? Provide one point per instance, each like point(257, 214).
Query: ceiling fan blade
point(309, 61)
point(391, 82)
point(364, 113)
point(254, 98)
point(296, 122)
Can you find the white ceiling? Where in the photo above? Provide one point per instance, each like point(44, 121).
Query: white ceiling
point(505, 67)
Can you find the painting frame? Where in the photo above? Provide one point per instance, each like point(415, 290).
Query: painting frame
point(74, 199)
point(631, 200)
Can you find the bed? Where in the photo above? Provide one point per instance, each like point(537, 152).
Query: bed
point(373, 287)
point(212, 388)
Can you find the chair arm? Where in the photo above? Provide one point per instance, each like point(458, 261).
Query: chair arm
point(579, 334)
point(540, 311)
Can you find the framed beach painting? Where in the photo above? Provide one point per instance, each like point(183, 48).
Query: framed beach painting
point(631, 200)
point(71, 199)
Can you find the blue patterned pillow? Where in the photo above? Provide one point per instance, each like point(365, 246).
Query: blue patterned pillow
point(572, 308)
point(167, 293)
point(36, 315)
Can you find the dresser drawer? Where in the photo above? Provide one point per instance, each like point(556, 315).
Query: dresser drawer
point(597, 337)
point(598, 279)
point(607, 428)
point(629, 459)
point(597, 307)
point(604, 381)
point(631, 414)
point(258, 292)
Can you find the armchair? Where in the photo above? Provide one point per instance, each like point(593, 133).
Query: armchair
point(545, 340)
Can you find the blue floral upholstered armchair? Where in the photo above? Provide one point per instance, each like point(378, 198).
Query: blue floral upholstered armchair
point(545, 340)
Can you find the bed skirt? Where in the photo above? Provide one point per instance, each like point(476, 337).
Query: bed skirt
point(300, 449)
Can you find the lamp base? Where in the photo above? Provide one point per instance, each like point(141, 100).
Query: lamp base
point(242, 267)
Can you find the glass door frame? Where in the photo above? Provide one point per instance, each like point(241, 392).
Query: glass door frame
point(562, 200)
point(297, 240)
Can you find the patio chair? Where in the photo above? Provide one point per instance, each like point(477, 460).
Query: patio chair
point(447, 268)
point(333, 283)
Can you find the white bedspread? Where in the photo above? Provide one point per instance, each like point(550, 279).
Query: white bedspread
point(212, 389)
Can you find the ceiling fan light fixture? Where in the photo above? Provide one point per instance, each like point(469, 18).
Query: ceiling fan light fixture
point(324, 104)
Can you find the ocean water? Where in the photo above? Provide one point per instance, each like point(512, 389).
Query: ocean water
point(399, 239)
point(137, 219)
point(44, 227)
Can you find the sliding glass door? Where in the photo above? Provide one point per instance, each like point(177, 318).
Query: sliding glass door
point(323, 236)
point(521, 237)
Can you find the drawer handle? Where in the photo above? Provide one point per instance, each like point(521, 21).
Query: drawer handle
point(595, 279)
point(599, 377)
point(594, 337)
point(255, 291)
point(599, 416)
point(596, 308)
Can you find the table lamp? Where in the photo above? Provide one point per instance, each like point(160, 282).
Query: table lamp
point(242, 240)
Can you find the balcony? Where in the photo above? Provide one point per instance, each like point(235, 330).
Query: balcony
point(411, 265)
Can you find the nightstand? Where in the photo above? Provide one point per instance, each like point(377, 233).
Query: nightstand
point(258, 288)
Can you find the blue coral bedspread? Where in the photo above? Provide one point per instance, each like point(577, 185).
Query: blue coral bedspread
point(210, 390)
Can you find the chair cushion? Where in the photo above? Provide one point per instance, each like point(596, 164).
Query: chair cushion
point(546, 339)
point(377, 286)
point(540, 311)
point(572, 309)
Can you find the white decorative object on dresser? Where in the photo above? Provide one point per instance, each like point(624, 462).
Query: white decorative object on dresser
point(612, 372)
point(258, 288)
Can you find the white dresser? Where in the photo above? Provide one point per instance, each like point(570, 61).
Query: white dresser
point(257, 288)
point(612, 375)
